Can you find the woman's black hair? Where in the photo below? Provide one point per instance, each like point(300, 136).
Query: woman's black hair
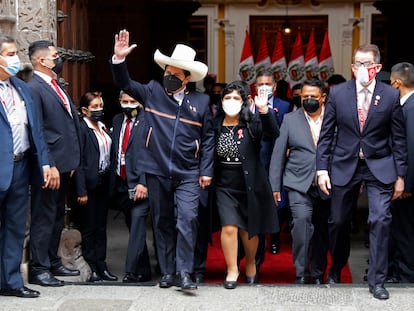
point(243, 89)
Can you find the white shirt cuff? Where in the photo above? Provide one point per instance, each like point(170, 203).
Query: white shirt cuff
point(116, 61)
point(321, 172)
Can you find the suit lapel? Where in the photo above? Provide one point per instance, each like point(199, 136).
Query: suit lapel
point(376, 96)
point(305, 129)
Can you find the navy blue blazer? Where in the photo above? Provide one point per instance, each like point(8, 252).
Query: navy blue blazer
point(60, 130)
point(135, 148)
point(180, 138)
point(87, 175)
point(37, 144)
point(383, 139)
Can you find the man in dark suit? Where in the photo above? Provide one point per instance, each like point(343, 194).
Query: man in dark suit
point(401, 267)
point(369, 148)
point(128, 182)
point(21, 140)
point(265, 81)
point(179, 152)
point(298, 136)
point(60, 125)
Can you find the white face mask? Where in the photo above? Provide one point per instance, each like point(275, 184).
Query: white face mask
point(365, 75)
point(268, 89)
point(232, 107)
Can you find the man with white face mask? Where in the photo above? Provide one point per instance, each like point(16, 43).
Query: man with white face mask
point(21, 140)
point(369, 148)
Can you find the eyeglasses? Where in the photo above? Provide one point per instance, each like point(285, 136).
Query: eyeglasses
point(365, 64)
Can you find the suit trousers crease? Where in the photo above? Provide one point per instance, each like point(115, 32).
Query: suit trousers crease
point(174, 207)
point(379, 220)
point(13, 216)
point(47, 223)
point(137, 259)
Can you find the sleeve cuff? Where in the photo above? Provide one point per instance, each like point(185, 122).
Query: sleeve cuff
point(116, 61)
point(321, 172)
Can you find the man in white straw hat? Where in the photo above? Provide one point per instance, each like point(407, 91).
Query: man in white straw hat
point(179, 153)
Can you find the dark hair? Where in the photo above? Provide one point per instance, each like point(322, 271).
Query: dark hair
point(87, 98)
point(266, 73)
point(335, 79)
point(243, 88)
point(282, 88)
point(297, 86)
point(39, 46)
point(405, 72)
point(5, 39)
point(315, 82)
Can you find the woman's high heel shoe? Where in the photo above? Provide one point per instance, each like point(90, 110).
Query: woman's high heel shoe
point(230, 284)
point(252, 279)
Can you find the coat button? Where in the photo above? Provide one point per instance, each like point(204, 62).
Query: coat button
point(249, 188)
point(246, 172)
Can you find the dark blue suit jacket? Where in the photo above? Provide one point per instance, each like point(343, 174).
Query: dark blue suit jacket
point(408, 110)
point(135, 148)
point(37, 143)
point(60, 130)
point(383, 139)
point(180, 140)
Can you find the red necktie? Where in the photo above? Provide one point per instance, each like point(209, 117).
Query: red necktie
point(125, 139)
point(59, 92)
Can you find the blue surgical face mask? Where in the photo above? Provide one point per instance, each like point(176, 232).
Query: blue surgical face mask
point(13, 64)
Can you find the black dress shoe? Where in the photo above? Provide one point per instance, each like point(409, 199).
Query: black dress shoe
point(333, 278)
point(63, 271)
point(167, 280)
point(379, 292)
point(318, 280)
point(94, 277)
point(199, 278)
point(107, 276)
point(252, 279)
point(135, 278)
point(186, 282)
point(22, 292)
point(301, 280)
point(45, 279)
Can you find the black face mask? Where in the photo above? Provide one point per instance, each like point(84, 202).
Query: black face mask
point(58, 65)
point(130, 112)
point(310, 105)
point(96, 115)
point(172, 83)
point(296, 101)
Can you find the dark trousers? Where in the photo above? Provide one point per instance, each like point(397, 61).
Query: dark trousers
point(174, 206)
point(47, 222)
point(93, 223)
point(401, 260)
point(201, 247)
point(136, 213)
point(13, 216)
point(379, 220)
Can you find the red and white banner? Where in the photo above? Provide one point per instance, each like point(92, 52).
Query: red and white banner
point(278, 65)
point(326, 66)
point(296, 66)
point(311, 60)
point(262, 57)
point(246, 67)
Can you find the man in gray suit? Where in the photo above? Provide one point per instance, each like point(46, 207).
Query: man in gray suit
point(294, 157)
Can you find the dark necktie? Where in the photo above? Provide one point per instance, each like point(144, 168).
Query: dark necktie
point(125, 139)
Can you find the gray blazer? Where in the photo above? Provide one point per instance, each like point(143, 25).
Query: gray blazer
point(300, 167)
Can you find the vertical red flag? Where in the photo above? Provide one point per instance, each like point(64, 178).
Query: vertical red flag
point(278, 62)
point(246, 66)
point(262, 58)
point(311, 60)
point(326, 66)
point(296, 66)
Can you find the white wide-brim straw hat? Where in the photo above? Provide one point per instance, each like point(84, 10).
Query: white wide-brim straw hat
point(183, 57)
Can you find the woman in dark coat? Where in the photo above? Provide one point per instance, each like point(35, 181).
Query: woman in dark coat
point(242, 192)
